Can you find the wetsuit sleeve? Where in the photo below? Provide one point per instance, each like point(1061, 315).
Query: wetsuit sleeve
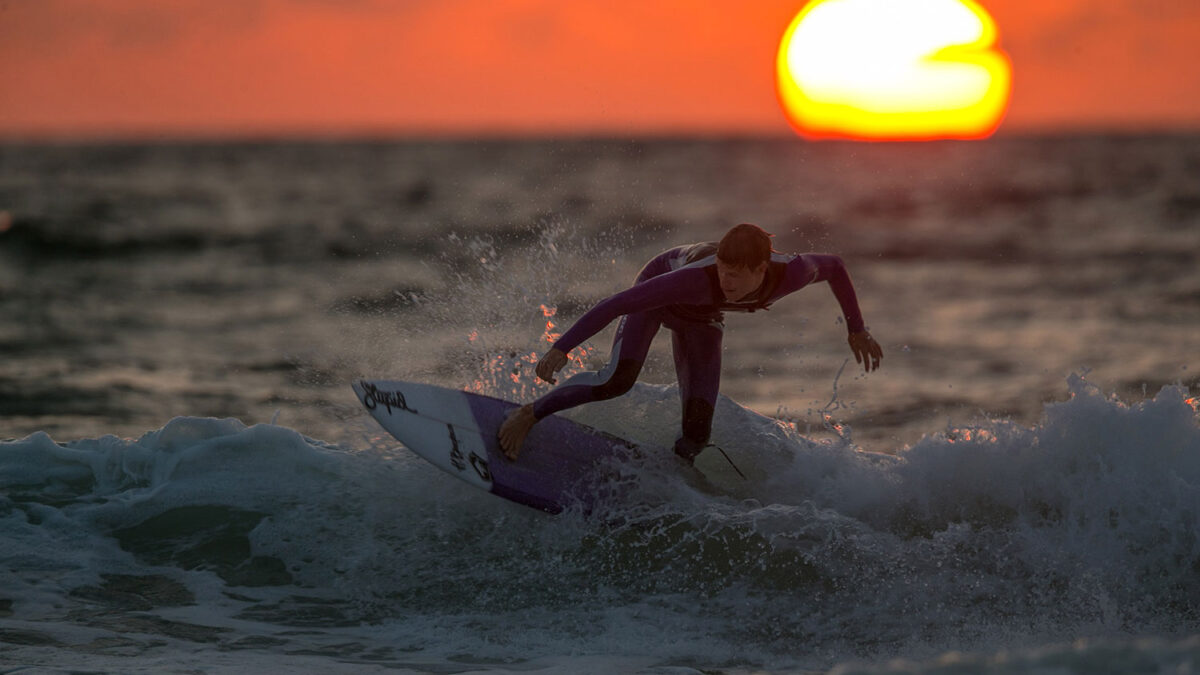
point(683, 286)
point(813, 267)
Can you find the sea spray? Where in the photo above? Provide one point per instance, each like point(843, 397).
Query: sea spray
point(991, 534)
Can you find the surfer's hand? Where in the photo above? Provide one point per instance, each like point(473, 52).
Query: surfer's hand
point(866, 350)
point(551, 363)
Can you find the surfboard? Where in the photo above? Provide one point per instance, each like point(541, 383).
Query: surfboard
point(456, 432)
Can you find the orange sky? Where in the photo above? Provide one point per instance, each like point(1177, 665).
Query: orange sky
point(281, 67)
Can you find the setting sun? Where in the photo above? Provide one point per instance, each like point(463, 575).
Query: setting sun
point(893, 70)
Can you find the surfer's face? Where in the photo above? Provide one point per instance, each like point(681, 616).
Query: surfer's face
point(738, 282)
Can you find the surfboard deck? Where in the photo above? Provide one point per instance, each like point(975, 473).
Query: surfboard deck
point(456, 432)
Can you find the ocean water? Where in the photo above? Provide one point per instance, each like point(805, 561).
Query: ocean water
point(189, 485)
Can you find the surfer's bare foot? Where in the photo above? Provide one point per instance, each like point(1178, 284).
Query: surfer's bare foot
point(514, 430)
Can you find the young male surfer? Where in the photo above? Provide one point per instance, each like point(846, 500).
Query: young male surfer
point(687, 289)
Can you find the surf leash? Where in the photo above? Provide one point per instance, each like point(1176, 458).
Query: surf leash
point(722, 451)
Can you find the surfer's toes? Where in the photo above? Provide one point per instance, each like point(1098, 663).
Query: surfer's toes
point(514, 430)
point(510, 447)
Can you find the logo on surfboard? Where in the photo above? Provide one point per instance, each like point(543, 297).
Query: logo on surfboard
point(374, 397)
point(456, 458)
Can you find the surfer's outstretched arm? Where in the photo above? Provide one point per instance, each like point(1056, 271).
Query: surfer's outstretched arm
point(866, 350)
point(812, 267)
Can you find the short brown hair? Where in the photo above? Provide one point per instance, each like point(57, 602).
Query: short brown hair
point(746, 246)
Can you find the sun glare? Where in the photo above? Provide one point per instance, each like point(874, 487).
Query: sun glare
point(893, 70)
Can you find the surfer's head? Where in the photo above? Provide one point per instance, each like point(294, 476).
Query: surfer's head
point(742, 258)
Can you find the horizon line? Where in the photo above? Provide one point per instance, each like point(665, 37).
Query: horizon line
point(380, 135)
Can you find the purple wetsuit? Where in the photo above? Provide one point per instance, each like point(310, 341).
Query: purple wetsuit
point(680, 289)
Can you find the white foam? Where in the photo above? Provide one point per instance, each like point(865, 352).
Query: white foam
point(981, 537)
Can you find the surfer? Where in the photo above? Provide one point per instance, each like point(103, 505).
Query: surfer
point(687, 289)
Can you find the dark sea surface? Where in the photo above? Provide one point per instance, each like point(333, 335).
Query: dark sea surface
point(189, 484)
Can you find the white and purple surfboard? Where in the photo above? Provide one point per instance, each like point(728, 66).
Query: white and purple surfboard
point(456, 432)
